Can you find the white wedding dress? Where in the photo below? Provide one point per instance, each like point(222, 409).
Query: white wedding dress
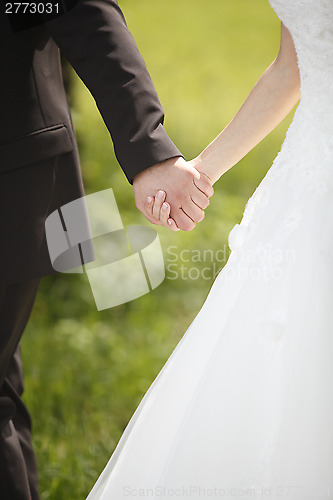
point(243, 408)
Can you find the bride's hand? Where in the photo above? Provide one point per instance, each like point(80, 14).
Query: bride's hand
point(160, 210)
point(202, 167)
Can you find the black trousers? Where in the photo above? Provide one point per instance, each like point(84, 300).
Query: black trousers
point(27, 196)
point(18, 471)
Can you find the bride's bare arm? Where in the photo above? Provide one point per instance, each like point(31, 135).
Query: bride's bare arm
point(271, 99)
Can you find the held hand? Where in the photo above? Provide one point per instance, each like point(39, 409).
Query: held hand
point(160, 209)
point(187, 191)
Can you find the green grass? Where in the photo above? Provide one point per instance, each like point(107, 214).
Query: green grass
point(86, 370)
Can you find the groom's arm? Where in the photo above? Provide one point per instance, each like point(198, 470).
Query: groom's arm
point(94, 38)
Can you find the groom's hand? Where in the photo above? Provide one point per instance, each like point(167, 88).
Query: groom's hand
point(187, 192)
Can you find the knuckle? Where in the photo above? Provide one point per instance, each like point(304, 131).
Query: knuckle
point(189, 226)
point(200, 216)
point(206, 202)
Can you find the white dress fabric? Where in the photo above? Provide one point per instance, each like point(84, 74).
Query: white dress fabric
point(243, 408)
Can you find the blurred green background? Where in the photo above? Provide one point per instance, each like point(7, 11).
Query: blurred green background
point(85, 370)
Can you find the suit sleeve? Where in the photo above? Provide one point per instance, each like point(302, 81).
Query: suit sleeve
point(96, 41)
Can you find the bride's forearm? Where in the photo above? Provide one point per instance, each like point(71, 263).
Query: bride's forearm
point(271, 99)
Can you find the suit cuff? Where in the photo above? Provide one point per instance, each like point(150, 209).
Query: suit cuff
point(141, 155)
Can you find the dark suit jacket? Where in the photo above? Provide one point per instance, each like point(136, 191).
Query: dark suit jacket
point(39, 168)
